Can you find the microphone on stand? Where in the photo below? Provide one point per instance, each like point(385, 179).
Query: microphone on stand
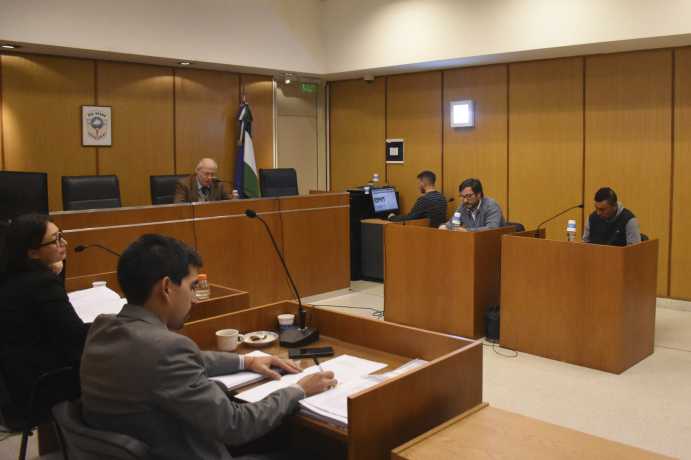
point(82, 248)
point(537, 231)
point(303, 335)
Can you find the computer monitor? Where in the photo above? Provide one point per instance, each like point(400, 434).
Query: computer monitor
point(384, 200)
point(22, 193)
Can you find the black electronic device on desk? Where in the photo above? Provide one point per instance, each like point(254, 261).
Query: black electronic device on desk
point(317, 352)
point(384, 201)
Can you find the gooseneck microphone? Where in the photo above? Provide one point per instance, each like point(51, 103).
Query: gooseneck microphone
point(82, 247)
point(293, 337)
point(537, 231)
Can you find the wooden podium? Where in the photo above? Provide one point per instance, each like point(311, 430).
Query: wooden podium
point(441, 280)
point(390, 413)
point(584, 304)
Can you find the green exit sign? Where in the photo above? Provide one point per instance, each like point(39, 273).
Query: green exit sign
point(308, 87)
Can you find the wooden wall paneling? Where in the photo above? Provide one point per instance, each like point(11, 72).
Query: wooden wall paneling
point(680, 266)
point(546, 143)
point(259, 91)
point(357, 125)
point(628, 138)
point(41, 114)
point(142, 101)
point(479, 152)
point(413, 114)
point(206, 109)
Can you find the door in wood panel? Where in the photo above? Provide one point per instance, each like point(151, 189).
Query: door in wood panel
point(413, 114)
point(478, 152)
point(357, 131)
point(142, 101)
point(546, 143)
point(628, 138)
point(680, 266)
point(41, 110)
point(206, 109)
point(259, 91)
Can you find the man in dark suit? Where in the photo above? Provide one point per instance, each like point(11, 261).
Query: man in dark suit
point(202, 185)
point(142, 379)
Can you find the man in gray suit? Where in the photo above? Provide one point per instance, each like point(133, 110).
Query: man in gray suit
point(477, 212)
point(140, 378)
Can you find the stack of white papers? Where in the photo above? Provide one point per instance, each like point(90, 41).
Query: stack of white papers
point(89, 303)
point(345, 367)
point(239, 379)
point(332, 406)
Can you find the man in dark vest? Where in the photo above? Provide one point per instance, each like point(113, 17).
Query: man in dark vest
point(611, 223)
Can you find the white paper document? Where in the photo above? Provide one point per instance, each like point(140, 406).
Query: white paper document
point(89, 303)
point(344, 367)
point(239, 379)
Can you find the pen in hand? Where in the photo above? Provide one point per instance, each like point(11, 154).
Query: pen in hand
point(317, 363)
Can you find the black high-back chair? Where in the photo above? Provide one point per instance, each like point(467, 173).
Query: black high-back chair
point(86, 443)
point(90, 192)
point(163, 188)
point(278, 182)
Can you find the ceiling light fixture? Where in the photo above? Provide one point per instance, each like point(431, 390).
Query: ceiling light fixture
point(185, 63)
point(9, 46)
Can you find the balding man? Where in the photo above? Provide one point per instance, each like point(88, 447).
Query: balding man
point(201, 185)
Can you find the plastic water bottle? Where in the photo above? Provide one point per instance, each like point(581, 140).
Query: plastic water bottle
point(571, 230)
point(236, 194)
point(375, 179)
point(202, 291)
point(456, 221)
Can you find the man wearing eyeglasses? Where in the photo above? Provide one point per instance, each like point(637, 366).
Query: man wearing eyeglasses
point(478, 212)
point(202, 185)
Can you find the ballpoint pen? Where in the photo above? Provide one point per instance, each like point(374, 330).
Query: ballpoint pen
point(317, 363)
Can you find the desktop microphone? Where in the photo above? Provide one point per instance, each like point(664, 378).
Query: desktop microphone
point(82, 247)
point(291, 338)
point(537, 231)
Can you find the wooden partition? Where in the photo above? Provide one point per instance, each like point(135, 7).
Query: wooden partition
point(448, 385)
point(584, 304)
point(441, 280)
point(312, 232)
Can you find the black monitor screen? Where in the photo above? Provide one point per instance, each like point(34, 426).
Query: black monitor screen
point(384, 200)
point(22, 193)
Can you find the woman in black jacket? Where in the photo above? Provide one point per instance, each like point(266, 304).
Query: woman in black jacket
point(39, 329)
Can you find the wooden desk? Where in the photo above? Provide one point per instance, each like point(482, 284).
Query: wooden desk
point(312, 231)
point(488, 433)
point(584, 304)
point(405, 406)
point(441, 280)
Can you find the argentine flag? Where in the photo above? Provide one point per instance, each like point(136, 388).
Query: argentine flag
point(246, 177)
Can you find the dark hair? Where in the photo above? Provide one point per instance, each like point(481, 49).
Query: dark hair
point(606, 194)
point(151, 258)
point(21, 234)
point(474, 184)
point(427, 176)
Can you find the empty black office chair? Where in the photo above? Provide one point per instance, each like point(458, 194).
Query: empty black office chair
point(25, 416)
point(278, 182)
point(163, 188)
point(90, 192)
point(86, 443)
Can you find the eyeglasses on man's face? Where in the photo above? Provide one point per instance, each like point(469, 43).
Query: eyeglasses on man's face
point(59, 241)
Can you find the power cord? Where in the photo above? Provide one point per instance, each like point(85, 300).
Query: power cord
point(379, 314)
point(495, 345)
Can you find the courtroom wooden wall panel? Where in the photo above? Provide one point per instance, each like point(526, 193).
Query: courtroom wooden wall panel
point(142, 101)
point(628, 138)
point(413, 114)
point(206, 109)
point(259, 92)
point(479, 152)
point(546, 143)
point(681, 216)
point(41, 115)
point(357, 125)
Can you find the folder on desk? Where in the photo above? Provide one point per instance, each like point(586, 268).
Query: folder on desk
point(98, 300)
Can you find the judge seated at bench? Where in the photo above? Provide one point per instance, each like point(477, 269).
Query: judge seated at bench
point(611, 223)
point(202, 185)
point(141, 378)
point(477, 211)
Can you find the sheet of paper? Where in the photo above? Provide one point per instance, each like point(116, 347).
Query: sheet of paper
point(344, 367)
point(89, 303)
point(239, 379)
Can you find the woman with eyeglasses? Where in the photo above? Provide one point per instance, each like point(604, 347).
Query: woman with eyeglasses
point(39, 329)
